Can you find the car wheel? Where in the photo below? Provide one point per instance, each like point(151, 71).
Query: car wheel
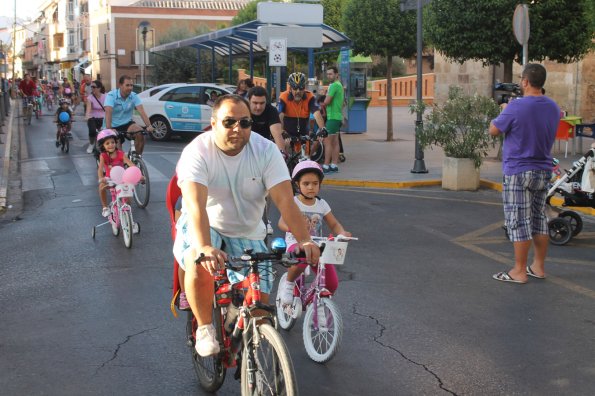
point(161, 129)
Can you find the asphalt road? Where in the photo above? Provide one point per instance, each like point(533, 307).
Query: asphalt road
point(422, 315)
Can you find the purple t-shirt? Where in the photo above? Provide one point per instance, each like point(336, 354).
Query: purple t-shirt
point(529, 126)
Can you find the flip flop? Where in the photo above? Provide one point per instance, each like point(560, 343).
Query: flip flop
point(505, 277)
point(533, 274)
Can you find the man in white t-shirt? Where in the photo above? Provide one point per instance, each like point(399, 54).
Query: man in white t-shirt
point(224, 176)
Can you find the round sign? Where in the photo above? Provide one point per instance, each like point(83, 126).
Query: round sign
point(520, 24)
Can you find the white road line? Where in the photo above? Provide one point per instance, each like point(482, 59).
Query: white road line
point(36, 175)
point(86, 169)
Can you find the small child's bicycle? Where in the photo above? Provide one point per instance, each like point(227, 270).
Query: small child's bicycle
point(120, 216)
point(323, 324)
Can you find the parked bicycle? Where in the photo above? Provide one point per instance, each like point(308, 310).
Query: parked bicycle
point(120, 218)
point(245, 329)
point(323, 323)
point(142, 191)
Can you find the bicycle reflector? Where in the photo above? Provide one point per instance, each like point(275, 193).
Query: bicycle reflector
point(64, 117)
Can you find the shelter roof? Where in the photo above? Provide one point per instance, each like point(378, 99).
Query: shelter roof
point(237, 39)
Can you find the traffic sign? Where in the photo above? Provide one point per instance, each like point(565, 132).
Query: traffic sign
point(297, 36)
point(304, 14)
point(278, 52)
point(520, 24)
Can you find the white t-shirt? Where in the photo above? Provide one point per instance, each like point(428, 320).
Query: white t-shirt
point(237, 185)
point(314, 218)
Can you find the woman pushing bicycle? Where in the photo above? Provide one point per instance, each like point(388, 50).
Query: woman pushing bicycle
point(308, 176)
point(110, 156)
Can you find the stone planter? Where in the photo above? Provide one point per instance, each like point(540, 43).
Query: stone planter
point(459, 174)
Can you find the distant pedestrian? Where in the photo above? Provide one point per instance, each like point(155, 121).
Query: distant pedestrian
point(529, 127)
point(334, 118)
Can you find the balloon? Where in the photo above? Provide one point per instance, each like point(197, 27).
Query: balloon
point(67, 91)
point(64, 117)
point(117, 174)
point(132, 175)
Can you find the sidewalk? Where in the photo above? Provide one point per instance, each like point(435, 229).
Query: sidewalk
point(373, 162)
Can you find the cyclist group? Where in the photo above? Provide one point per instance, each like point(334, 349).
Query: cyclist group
point(225, 177)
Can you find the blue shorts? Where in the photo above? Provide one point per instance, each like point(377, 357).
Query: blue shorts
point(524, 196)
point(231, 246)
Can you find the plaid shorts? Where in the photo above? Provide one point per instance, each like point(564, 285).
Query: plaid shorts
point(524, 196)
point(231, 246)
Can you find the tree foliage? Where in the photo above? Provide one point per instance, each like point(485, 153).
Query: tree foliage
point(178, 65)
point(481, 30)
point(378, 27)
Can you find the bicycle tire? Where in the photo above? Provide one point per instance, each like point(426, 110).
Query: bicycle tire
point(209, 370)
point(114, 221)
point(318, 154)
point(126, 225)
point(63, 140)
point(282, 380)
point(66, 145)
point(142, 191)
point(323, 343)
point(285, 321)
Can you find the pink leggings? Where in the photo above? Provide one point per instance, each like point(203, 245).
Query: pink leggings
point(330, 273)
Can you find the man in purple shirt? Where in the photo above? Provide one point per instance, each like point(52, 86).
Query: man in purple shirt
point(529, 127)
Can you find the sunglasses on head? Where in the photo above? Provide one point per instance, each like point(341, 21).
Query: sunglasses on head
point(231, 122)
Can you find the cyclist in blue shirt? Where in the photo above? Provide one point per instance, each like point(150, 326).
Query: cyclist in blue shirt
point(119, 105)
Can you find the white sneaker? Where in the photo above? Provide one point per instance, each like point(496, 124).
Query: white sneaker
point(286, 292)
point(90, 149)
point(105, 212)
point(206, 342)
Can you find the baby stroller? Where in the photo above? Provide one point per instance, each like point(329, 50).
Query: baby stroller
point(577, 187)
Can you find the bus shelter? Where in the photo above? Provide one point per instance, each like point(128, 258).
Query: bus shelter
point(241, 41)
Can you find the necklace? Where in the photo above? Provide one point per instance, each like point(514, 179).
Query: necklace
point(297, 113)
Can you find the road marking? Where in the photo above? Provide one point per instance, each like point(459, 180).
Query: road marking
point(36, 175)
point(86, 167)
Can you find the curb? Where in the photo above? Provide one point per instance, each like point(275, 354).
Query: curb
point(6, 164)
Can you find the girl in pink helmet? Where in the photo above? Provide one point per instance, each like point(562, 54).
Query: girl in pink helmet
point(109, 157)
point(307, 176)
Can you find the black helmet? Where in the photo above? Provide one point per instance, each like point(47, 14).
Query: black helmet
point(297, 80)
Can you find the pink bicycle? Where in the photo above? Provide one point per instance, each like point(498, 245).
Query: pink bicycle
point(120, 217)
point(323, 323)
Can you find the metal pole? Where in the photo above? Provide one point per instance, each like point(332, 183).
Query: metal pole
point(213, 63)
point(14, 51)
point(143, 62)
point(419, 165)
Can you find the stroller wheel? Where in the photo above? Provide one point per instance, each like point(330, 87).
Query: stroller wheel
point(560, 231)
point(576, 223)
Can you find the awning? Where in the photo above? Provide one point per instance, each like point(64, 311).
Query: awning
point(242, 39)
point(82, 63)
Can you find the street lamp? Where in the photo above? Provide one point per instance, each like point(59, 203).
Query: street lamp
point(419, 165)
point(144, 28)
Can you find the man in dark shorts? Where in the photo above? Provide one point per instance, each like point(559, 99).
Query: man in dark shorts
point(119, 105)
point(265, 118)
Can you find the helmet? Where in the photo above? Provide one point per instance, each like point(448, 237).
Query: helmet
point(306, 167)
point(64, 117)
point(297, 80)
point(103, 136)
point(63, 100)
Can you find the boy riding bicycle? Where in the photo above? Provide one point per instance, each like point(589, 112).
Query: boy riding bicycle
point(307, 176)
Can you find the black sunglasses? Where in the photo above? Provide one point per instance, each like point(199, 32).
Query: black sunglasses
point(231, 122)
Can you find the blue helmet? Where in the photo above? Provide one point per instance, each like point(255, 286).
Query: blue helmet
point(64, 117)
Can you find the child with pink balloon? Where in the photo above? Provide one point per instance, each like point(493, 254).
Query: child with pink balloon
point(111, 164)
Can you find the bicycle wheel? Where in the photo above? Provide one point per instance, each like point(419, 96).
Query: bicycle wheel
point(267, 368)
point(126, 224)
point(286, 321)
point(322, 341)
point(317, 154)
point(66, 145)
point(142, 191)
point(210, 370)
point(63, 142)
